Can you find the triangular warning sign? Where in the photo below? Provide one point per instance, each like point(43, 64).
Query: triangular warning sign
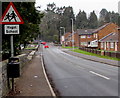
point(11, 16)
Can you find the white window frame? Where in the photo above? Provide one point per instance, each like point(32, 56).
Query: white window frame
point(84, 43)
point(83, 36)
point(112, 45)
point(88, 36)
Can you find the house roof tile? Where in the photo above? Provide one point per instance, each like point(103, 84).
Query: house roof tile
point(112, 37)
point(100, 28)
point(91, 31)
point(85, 31)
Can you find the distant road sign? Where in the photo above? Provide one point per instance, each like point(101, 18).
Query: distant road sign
point(11, 16)
point(11, 29)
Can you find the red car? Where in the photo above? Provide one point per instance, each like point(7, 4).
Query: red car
point(44, 43)
point(46, 46)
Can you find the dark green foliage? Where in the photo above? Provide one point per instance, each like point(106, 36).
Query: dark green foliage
point(54, 19)
point(92, 21)
point(81, 20)
point(106, 17)
point(67, 16)
point(51, 7)
point(119, 21)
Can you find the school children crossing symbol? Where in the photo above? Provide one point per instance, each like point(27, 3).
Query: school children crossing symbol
point(11, 16)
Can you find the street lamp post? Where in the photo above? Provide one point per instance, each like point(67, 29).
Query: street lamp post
point(60, 36)
point(64, 34)
point(72, 34)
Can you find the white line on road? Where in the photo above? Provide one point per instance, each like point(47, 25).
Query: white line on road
point(51, 89)
point(99, 75)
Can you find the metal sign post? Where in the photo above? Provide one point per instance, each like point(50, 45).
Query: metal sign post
point(12, 55)
point(12, 49)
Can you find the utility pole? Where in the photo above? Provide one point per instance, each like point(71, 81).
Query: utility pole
point(72, 35)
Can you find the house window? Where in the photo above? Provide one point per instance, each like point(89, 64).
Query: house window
point(83, 36)
point(102, 45)
point(111, 45)
point(88, 36)
point(84, 43)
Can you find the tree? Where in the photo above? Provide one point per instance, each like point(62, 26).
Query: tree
point(67, 16)
point(92, 21)
point(114, 17)
point(103, 16)
point(60, 10)
point(81, 20)
point(119, 21)
point(49, 24)
point(107, 17)
point(54, 19)
point(51, 7)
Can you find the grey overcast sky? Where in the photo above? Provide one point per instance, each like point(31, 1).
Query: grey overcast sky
point(86, 5)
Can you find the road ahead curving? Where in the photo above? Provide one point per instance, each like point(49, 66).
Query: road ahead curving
point(75, 76)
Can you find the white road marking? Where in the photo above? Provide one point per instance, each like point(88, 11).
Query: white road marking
point(99, 75)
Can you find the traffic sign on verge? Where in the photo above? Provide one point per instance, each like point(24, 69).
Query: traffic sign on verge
point(11, 29)
point(11, 16)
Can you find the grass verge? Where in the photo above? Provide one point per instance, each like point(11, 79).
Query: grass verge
point(92, 54)
point(67, 47)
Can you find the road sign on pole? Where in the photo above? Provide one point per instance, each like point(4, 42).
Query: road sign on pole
point(11, 29)
point(11, 16)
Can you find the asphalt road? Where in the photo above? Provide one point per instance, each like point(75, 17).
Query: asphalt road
point(75, 76)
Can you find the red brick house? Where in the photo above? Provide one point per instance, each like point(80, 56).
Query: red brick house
point(85, 37)
point(104, 31)
point(71, 39)
point(68, 39)
point(109, 42)
point(75, 39)
point(90, 38)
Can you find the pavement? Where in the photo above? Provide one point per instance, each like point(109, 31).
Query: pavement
point(92, 58)
point(33, 80)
